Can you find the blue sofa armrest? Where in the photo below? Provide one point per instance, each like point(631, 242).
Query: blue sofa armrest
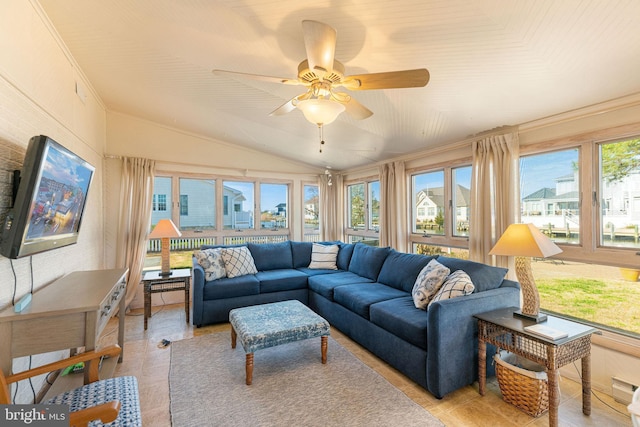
point(198, 292)
point(452, 336)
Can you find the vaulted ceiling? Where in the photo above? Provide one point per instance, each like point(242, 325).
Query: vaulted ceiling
point(492, 63)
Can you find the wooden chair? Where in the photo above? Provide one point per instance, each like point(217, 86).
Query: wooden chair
point(108, 400)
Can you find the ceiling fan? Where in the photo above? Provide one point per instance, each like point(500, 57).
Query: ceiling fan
point(321, 74)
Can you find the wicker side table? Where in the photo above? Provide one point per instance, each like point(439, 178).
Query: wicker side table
point(505, 331)
point(178, 280)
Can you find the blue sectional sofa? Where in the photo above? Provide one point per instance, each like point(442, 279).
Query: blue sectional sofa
point(368, 297)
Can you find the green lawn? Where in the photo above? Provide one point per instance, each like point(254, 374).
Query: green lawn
point(612, 302)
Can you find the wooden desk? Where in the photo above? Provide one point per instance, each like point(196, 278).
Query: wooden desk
point(66, 314)
point(179, 280)
point(505, 331)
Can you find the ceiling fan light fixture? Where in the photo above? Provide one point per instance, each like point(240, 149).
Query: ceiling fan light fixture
point(320, 111)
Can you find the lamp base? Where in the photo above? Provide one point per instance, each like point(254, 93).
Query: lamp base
point(165, 273)
point(538, 318)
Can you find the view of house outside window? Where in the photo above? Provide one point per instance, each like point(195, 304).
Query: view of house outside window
point(197, 204)
point(238, 205)
point(311, 209)
point(273, 206)
point(428, 202)
point(461, 178)
point(550, 192)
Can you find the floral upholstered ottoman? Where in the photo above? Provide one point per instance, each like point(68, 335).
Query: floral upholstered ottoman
point(268, 325)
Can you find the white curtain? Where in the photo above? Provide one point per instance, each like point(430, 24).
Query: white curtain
point(330, 186)
point(136, 192)
point(495, 193)
point(393, 205)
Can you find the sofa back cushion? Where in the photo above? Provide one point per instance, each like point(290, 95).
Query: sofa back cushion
point(484, 277)
point(301, 254)
point(400, 270)
point(367, 261)
point(344, 255)
point(271, 256)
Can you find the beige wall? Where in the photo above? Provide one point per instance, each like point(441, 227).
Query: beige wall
point(38, 96)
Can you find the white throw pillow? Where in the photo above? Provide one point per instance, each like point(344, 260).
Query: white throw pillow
point(457, 284)
point(428, 283)
point(324, 256)
point(211, 261)
point(238, 261)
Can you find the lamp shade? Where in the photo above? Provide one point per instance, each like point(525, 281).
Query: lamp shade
point(165, 228)
point(524, 240)
point(320, 111)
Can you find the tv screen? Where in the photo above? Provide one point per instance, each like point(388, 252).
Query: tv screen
point(50, 200)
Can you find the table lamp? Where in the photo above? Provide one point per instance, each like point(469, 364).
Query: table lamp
point(525, 241)
point(165, 229)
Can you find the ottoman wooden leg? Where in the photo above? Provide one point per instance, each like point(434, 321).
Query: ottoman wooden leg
point(323, 345)
point(249, 368)
point(233, 337)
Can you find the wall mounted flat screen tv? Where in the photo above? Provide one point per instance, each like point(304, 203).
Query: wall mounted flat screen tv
point(49, 202)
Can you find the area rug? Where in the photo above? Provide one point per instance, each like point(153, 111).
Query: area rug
point(291, 387)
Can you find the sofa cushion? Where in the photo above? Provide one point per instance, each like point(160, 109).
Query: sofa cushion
point(281, 280)
point(400, 270)
point(484, 277)
point(316, 271)
point(211, 262)
point(231, 287)
point(301, 253)
point(324, 256)
point(358, 297)
point(271, 256)
point(457, 284)
point(344, 255)
point(400, 317)
point(428, 283)
point(326, 283)
point(238, 261)
point(367, 261)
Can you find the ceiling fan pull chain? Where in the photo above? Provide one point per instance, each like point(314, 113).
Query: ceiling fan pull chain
point(320, 131)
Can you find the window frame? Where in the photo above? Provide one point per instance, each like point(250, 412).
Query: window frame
point(367, 233)
point(447, 240)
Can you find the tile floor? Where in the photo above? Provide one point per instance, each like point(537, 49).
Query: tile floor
point(149, 362)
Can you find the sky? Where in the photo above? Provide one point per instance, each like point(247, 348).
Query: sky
point(541, 170)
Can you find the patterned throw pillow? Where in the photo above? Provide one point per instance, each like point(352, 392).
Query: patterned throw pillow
point(428, 283)
point(211, 261)
point(458, 284)
point(324, 256)
point(238, 261)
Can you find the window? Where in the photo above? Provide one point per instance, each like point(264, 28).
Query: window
point(428, 202)
point(161, 199)
point(363, 212)
point(461, 200)
point(197, 204)
point(184, 205)
point(619, 182)
point(441, 211)
point(374, 205)
point(583, 198)
point(551, 180)
point(311, 209)
point(356, 206)
point(273, 206)
point(239, 205)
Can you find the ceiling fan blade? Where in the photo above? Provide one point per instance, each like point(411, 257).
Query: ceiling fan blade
point(320, 43)
point(353, 107)
point(357, 110)
point(268, 79)
point(290, 105)
point(389, 80)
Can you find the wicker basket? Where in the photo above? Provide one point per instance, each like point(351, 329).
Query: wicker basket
point(526, 389)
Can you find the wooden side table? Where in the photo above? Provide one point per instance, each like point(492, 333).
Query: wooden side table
point(179, 280)
point(505, 331)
